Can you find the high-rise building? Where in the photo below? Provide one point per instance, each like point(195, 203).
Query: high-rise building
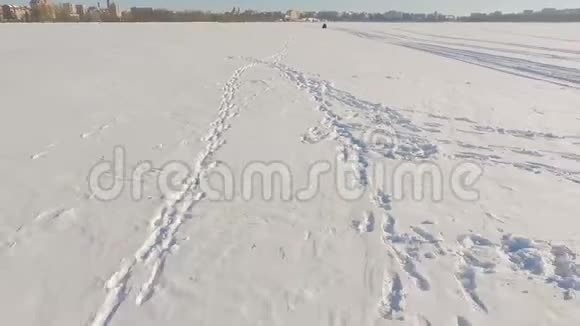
point(69, 8)
point(114, 10)
point(15, 13)
point(292, 15)
point(81, 10)
point(37, 3)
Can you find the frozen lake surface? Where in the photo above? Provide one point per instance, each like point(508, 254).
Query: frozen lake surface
point(131, 154)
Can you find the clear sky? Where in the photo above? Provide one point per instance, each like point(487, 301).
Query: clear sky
point(456, 7)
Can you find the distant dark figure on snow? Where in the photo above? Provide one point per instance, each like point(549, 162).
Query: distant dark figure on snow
point(324, 26)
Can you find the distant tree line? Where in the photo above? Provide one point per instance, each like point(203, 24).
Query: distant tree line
point(236, 15)
point(164, 15)
point(390, 16)
point(43, 12)
point(541, 16)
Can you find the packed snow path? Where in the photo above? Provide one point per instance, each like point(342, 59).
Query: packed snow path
point(355, 96)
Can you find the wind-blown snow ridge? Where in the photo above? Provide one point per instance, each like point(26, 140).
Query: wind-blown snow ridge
point(174, 213)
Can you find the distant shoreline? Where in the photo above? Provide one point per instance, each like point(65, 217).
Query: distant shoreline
point(67, 12)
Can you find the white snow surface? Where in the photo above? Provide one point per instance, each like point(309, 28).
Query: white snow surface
point(505, 97)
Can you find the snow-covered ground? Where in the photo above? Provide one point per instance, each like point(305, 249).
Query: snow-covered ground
point(493, 108)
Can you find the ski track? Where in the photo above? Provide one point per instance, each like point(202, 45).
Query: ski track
point(527, 159)
point(363, 129)
point(376, 129)
point(555, 74)
point(474, 45)
point(401, 140)
point(174, 213)
point(346, 120)
point(558, 75)
point(525, 46)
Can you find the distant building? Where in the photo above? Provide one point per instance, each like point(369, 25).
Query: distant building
point(528, 12)
point(36, 3)
point(81, 10)
point(65, 12)
point(15, 13)
point(93, 14)
point(69, 8)
point(114, 11)
point(6, 11)
point(293, 15)
point(549, 10)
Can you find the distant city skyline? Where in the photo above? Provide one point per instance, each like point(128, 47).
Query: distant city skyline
point(454, 7)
